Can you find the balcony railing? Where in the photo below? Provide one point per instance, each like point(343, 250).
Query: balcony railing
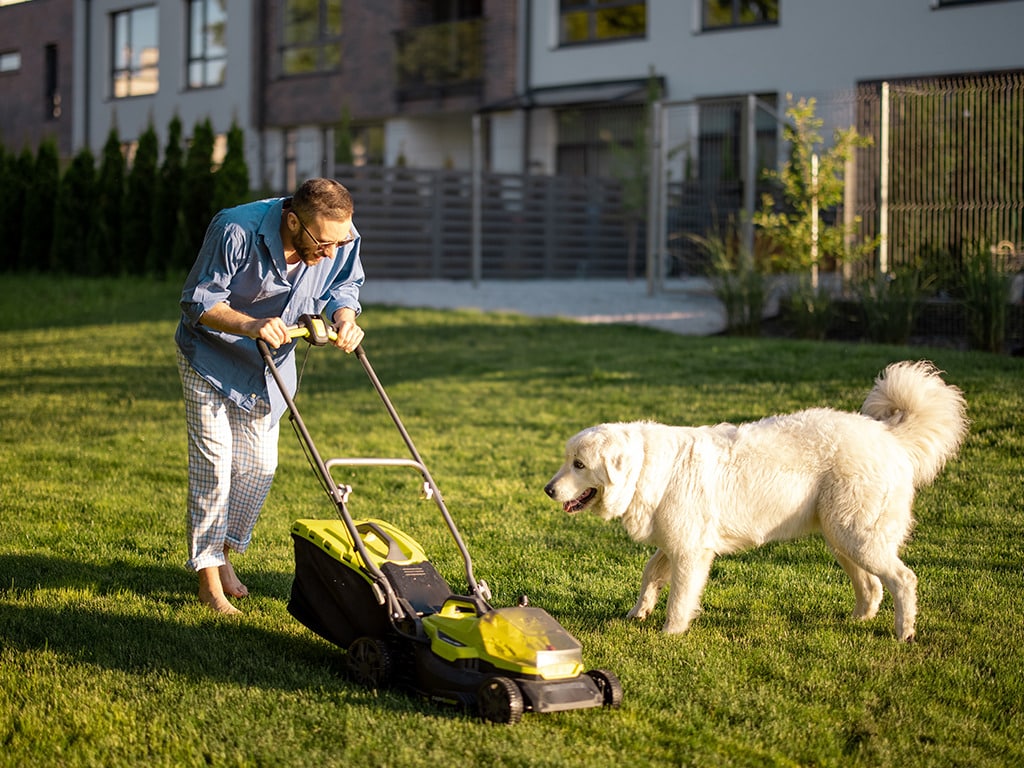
point(439, 60)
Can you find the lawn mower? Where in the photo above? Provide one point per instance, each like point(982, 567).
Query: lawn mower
point(370, 589)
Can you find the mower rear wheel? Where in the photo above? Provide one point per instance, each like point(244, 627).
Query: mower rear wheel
point(499, 700)
point(369, 662)
point(609, 685)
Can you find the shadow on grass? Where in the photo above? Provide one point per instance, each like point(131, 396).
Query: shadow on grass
point(175, 636)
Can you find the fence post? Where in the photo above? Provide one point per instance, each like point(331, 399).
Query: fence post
point(749, 181)
point(655, 230)
point(476, 237)
point(883, 192)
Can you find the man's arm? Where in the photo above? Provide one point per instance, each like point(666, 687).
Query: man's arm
point(222, 317)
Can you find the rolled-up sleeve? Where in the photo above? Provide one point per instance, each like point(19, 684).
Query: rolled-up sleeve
point(208, 284)
point(347, 281)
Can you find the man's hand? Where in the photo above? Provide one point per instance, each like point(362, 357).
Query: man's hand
point(272, 330)
point(350, 335)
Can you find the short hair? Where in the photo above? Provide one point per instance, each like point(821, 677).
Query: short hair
point(325, 198)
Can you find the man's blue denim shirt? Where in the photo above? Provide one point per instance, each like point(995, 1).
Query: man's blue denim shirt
point(242, 263)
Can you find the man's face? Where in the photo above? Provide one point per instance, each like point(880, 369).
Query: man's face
point(320, 238)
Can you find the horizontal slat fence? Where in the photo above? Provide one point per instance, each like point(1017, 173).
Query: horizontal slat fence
point(417, 224)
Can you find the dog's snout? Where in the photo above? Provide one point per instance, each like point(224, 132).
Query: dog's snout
point(549, 489)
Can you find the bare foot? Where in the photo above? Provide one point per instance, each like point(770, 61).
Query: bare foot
point(211, 592)
point(229, 581)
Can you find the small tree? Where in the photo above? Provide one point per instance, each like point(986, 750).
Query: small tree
point(105, 235)
point(37, 234)
point(168, 204)
point(811, 181)
point(74, 215)
point(140, 196)
point(196, 195)
point(231, 181)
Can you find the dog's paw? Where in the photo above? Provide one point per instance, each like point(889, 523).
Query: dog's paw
point(638, 612)
point(675, 628)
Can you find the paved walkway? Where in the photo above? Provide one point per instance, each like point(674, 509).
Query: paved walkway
point(687, 307)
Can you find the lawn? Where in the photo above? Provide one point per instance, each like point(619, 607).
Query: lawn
point(106, 658)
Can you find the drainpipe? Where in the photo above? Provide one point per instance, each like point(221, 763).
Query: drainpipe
point(87, 95)
point(525, 37)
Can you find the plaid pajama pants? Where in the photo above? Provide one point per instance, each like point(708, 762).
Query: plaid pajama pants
point(232, 456)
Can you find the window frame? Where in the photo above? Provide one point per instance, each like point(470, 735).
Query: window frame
point(317, 45)
point(10, 62)
point(593, 9)
point(135, 73)
point(203, 59)
point(736, 17)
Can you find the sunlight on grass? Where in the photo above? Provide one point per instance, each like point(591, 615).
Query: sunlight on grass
point(106, 658)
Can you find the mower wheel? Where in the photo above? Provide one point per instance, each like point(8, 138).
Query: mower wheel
point(499, 700)
point(609, 685)
point(368, 662)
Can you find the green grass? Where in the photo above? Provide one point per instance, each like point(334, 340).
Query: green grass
point(107, 659)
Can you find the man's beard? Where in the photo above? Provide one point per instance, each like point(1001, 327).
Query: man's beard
point(309, 256)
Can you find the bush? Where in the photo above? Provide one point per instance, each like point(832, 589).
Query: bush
point(986, 298)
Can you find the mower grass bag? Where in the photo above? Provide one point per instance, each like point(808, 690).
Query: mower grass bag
point(334, 596)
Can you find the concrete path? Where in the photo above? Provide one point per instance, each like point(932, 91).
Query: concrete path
point(687, 307)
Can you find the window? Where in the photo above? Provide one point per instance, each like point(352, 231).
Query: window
point(207, 42)
point(721, 126)
point(590, 21)
point(135, 53)
point(722, 14)
point(10, 61)
point(312, 36)
point(589, 137)
point(51, 93)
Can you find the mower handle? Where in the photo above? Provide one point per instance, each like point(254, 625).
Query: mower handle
point(313, 329)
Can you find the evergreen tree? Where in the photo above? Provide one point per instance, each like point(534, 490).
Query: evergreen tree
point(197, 193)
point(8, 212)
point(105, 235)
point(23, 168)
point(168, 205)
point(140, 196)
point(37, 217)
point(231, 181)
point(74, 215)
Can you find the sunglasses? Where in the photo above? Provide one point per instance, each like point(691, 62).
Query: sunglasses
point(328, 247)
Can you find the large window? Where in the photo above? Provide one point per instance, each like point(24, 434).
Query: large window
point(590, 21)
point(207, 42)
point(136, 53)
point(312, 36)
point(720, 14)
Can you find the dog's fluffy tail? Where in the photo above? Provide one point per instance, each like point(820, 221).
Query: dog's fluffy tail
point(927, 415)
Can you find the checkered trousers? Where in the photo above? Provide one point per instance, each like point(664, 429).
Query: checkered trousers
point(232, 456)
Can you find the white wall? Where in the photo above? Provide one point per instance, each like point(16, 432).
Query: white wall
point(819, 45)
point(231, 101)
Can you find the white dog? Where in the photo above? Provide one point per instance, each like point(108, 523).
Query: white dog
point(699, 492)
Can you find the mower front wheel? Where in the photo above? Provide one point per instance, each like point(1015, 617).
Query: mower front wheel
point(609, 685)
point(369, 662)
point(499, 700)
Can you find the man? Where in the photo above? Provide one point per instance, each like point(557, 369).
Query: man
point(261, 266)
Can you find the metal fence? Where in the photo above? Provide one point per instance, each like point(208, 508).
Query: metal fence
point(944, 172)
point(419, 224)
